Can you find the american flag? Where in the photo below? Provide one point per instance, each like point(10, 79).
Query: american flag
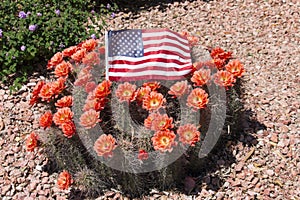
point(147, 54)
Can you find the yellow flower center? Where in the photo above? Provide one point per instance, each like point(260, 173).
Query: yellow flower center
point(162, 123)
point(154, 102)
point(197, 100)
point(188, 135)
point(105, 146)
point(127, 93)
point(165, 140)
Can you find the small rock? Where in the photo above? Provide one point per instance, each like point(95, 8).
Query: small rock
point(274, 137)
point(239, 166)
point(41, 197)
point(32, 186)
point(5, 189)
point(236, 183)
point(284, 129)
point(39, 167)
point(270, 172)
point(255, 180)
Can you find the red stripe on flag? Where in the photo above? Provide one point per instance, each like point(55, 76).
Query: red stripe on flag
point(162, 60)
point(163, 69)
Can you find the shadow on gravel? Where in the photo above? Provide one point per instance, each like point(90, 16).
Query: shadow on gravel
point(136, 6)
point(211, 172)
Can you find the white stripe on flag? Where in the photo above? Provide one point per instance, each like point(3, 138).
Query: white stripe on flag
point(158, 64)
point(166, 56)
point(150, 72)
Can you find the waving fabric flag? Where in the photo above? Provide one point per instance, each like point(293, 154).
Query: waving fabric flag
point(150, 54)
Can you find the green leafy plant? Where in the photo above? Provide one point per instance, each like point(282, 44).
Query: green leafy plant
point(31, 31)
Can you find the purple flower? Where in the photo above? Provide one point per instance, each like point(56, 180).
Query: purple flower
point(93, 36)
point(57, 12)
point(1, 33)
point(39, 14)
point(93, 12)
point(22, 15)
point(28, 13)
point(108, 6)
point(113, 15)
point(32, 27)
point(23, 48)
point(61, 45)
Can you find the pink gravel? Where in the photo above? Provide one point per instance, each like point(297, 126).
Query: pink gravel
point(265, 36)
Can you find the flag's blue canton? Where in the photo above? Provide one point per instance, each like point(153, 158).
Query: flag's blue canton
point(125, 43)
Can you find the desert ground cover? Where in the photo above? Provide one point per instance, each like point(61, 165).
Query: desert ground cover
point(262, 161)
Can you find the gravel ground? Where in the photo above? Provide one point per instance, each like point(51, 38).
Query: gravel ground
point(265, 36)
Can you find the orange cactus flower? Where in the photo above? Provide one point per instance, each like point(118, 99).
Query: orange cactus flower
point(62, 69)
point(141, 93)
point(164, 140)
point(64, 180)
point(101, 50)
point(82, 80)
point(149, 120)
point(188, 134)
point(197, 98)
point(46, 92)
point(153, 85)
point(219, 63)
point(90, 44)
point(78, 55)
point(179, 89)
point(63, 115)
point(184, 33)
point(162, 122)
point(90, 86)
point(66, 101)
point(89, 119)
point(103, 89)
point(153, 101)
point(193, 40)
point(55, 60)
point(143, 155)
point(220, 53)
point(35, 92)
point(58, 86)
point(201, 77)
point(126, 92)
point(68, 52)
point(85, 71)
point(31, 142)
point(33, 100)
point(200, 65)
point(91, 59)
point(68, 129)
point(105, 145)
point(224, 78)
point(95, 104)
point(236, 68)
point(46, 119)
